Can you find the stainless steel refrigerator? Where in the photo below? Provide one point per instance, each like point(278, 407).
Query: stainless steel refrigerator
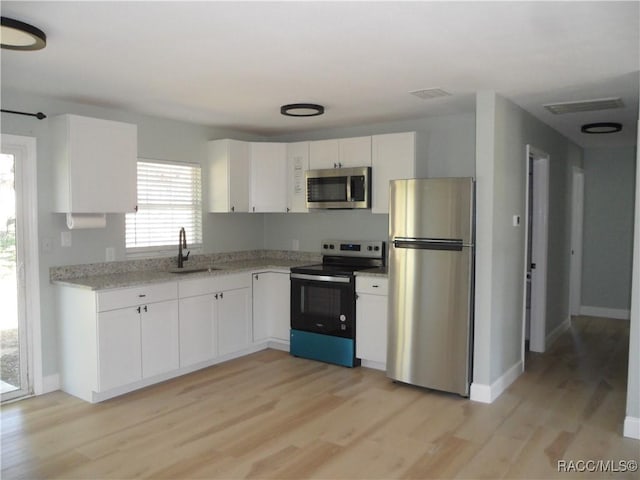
point(431, 269)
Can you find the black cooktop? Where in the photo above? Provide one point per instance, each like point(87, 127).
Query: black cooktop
point(324, 269)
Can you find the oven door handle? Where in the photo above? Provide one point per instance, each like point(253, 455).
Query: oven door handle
point(321, 278)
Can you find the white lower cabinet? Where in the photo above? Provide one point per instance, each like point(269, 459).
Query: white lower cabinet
point(159, 338)
point(215, 317)
point(198, 329)
point(371, 321)
point(115, 341)
point(119, 348)
point(271, 306)
point(234, 317)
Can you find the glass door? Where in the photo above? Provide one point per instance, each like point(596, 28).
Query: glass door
point(13, 362)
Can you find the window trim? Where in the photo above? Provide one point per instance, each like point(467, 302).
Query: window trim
point(160, 251)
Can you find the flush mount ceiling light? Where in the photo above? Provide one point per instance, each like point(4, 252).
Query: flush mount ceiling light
point(302, 110)
point(602, 127)
point(18, 35)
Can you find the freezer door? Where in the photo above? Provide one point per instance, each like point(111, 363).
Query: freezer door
point(432, 208)
point(430, 293)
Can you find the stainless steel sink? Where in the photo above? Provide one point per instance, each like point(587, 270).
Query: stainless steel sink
point(192, 270)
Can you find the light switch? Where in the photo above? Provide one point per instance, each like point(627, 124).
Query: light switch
point(516, 220)
point(110, 254)
point(295, 244)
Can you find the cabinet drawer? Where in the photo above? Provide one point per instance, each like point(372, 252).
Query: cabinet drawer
point(128, 297)
point(213, 284)
point(372, 285)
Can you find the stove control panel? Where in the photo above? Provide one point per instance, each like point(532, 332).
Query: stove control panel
point(349, 248)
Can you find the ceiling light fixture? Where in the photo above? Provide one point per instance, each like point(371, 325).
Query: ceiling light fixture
point(16, 35)
point(302, 110)
point(602, 127)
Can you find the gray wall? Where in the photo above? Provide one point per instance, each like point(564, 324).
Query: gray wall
point(609, 186)
point(158, 139)
point(633, 380)
point(503, 131)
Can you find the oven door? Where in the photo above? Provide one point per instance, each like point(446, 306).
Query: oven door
point(323, 304)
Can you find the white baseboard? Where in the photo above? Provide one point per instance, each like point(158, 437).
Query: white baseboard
point(632, 427)
point(488, 393)
point(375, 365)
point(617, 313)
point(278, 344)
point(556, 332)
point(50, 383)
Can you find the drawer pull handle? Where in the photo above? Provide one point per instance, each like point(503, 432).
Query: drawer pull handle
point(142, 295)
point(374, 286)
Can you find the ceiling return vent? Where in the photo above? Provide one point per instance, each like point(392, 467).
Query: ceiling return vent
point(429, 93)
point(584, 105)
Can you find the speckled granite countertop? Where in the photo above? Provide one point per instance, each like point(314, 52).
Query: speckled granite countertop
point(136, 272)
point(373, 272)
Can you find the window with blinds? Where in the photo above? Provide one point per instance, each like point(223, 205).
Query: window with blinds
point(169, 198)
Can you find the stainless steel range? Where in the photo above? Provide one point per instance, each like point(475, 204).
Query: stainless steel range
point(323, 301)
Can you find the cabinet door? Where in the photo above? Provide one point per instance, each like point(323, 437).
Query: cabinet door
point(239, 176)
point(233, 320)
point(355, 152)
point(324, 154)
point(261, 301)
point(280, 305)
point(271, 306)
point(198, 329)
point(159, 338)
point(268, 177)
point(371, 332)
point(393, 158)
point(228, 172)
point(297, 165)
point(102, 158)
point(119, 348)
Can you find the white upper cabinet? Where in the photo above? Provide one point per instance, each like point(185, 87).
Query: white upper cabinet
point(355, 152)
point(228, 169)
point(94, 165)
point(324, 154)
point(393, 158)
point(268, 177)
point(297, 165)
point(340, 153)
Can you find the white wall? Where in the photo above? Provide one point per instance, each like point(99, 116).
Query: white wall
point(157, 139)
point(609, 175)
point(502, 132)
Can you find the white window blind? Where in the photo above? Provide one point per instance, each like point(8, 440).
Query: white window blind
point(169, 198)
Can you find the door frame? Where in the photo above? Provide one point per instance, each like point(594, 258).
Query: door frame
point(24, 150)
point(577, 223)
point(540, 161)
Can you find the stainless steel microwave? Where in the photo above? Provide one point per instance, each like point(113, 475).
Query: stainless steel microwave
point(339, 188)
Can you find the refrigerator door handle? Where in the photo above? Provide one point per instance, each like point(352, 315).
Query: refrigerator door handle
point(430, 243)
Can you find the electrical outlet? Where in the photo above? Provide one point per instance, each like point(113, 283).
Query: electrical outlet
point(295, 244)
point(110, 254)
point(65, 239)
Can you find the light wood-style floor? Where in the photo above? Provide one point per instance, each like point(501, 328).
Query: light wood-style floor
point(270, 415)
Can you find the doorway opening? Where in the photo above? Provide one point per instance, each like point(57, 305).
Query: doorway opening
point(536, 238)
point(19, 279)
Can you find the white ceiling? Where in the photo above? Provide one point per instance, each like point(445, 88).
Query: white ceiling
point(233, 64)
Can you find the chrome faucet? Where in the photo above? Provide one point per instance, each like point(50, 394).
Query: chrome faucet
point(182, 244)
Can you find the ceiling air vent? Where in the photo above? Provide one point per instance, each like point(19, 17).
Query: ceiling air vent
point(429, 93)
point(584, 105)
